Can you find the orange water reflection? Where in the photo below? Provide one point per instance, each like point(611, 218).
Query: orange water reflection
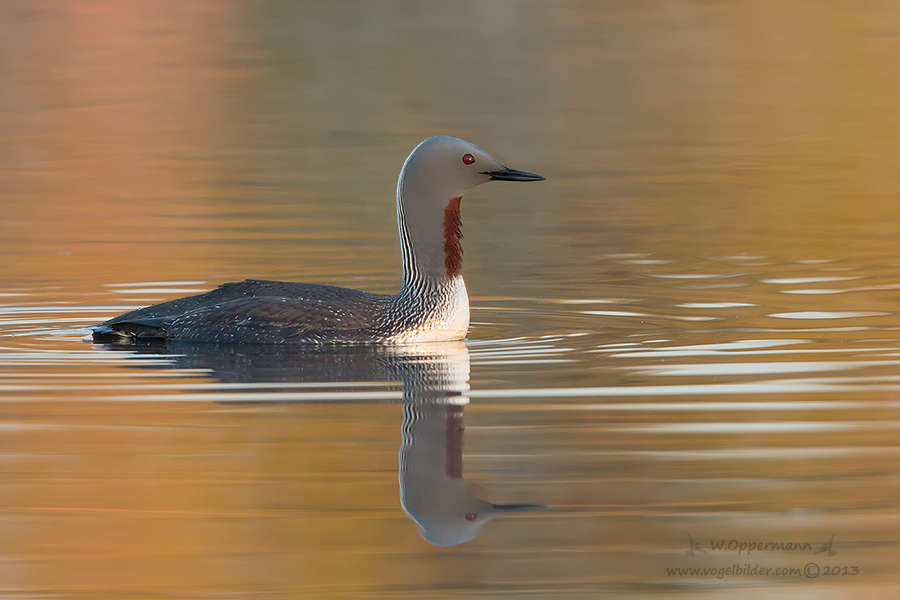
point(689, 331)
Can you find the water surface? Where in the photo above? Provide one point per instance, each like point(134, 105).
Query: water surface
point(684, 343)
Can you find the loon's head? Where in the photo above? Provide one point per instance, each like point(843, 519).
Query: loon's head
point(434, 178)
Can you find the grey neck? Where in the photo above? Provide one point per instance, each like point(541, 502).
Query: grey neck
point(423, 243)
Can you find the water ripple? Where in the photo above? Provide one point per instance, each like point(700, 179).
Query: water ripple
point(814, 314)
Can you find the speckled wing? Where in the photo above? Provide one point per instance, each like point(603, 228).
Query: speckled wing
point(254, 312)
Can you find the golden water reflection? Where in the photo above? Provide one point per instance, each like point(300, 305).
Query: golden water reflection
point(203, 467)
point(689, 335)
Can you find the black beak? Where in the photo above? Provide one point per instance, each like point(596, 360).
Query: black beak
point(507, 174)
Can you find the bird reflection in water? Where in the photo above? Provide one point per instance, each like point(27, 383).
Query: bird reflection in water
point(448, 509)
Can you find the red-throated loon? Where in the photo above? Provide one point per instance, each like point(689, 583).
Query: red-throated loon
point(431, 305)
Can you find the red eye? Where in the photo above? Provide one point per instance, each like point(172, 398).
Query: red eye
point(471, 516)
point(468, 159)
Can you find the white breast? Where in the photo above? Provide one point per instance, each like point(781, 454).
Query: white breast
point(450, 321)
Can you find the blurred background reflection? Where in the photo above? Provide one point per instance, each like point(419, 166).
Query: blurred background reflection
point(688, 334)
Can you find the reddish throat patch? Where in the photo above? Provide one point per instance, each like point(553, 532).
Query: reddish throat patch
point(452, 247)
point(453, 465)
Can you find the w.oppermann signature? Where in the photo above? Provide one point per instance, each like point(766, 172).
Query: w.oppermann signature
point(810, 570)
point(695, 546)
